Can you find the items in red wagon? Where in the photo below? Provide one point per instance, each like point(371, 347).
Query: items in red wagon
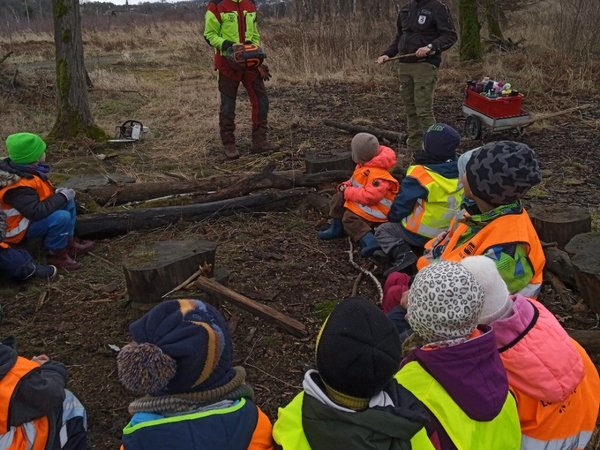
point(491, 88)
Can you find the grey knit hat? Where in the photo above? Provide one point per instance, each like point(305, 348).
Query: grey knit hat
point(444, 303)
point(364, 147)
point(502, 172)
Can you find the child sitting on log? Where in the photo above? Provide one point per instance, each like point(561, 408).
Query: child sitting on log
point(554, 381)
point(34, 209)
point(364, 201)
point(181, 361)
point(430, 196)
point(494, 223)
point(351, 401)
point(37, 412)
point(18, 263)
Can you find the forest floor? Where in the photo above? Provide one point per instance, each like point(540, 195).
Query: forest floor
point(273, 257)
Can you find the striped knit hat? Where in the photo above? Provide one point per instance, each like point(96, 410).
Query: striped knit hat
point(178, 346)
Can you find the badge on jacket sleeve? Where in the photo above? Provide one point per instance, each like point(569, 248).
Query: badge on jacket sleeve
point(422, 19)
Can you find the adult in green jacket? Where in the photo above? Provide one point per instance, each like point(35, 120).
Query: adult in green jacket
point(226, 23)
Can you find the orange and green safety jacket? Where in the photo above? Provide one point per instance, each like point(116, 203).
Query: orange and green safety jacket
point(432, 215)
point(16, 223)
point(465, 433)
point(230, 20)
point(32, 435)
point(364, 176)
point(510, 226)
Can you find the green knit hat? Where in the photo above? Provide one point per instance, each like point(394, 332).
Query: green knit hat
point(25, 148)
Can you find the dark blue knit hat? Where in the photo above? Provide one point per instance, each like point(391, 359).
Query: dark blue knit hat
point(441, 140)
point(179, 346)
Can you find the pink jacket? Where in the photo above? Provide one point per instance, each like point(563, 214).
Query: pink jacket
point(538, 354)
point(374, 192)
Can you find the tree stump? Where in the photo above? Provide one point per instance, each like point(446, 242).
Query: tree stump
point(555, 223)
point(323, 162)
point(559, 263)
point(585, 249)
point(153, 270)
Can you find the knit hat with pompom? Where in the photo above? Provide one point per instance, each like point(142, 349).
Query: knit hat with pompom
point(179, 346)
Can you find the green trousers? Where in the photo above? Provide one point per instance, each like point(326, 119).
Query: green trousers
point(417, 85)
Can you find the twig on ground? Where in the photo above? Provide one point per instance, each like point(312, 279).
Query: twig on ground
point(103, 259)
point(41, 300)
point(365, 271)
point(273, 376)
point(5, 57)
point(356, 283)
point(191, 278)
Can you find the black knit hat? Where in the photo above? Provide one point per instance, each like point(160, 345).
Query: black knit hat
point(358, 350)
point(441, 141)
point(502, 172)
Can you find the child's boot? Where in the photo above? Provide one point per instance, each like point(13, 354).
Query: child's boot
point(368, 244)
point(401, 257)
point(62, 259)
point(335, 230)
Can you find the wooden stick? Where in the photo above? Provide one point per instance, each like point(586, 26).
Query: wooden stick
point(212, 286)
point(535, 117)
point(5, 57)
point(183, 284)
point(365, 271)
point(407, 55)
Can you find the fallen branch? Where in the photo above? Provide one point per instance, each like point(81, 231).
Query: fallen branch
point(391, 136)
point(121, 222)
point(5, 57)
point(536, 117)
point(272, 315)
point(365, 271)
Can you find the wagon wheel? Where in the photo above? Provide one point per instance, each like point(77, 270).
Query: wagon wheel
point(473, 127)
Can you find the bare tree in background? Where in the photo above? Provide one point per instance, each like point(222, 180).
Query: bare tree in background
point(470, 41)
point(74, 115)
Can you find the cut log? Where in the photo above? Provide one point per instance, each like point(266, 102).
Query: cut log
point(589, 339)
point(266, 312)
point(152, 270)
point(556, 223)
point(212, 188)
point(582, 243)
point(121, 222)
point(315, 163)
point(559, 263)
point(391, 136)
point(585, 249)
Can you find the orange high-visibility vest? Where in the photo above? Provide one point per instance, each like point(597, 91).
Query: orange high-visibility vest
point(31, 435)
point(374, 213)
point(506, 229)
point(567, 424)
point(16, 223)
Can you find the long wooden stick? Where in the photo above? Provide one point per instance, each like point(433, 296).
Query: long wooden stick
point(535, 117)
point(407, 55)
point(272, 315)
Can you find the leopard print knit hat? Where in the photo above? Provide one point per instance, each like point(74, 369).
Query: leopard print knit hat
point(444, 303)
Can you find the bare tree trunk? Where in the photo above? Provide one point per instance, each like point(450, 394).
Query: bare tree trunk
point(470, 41)
point(74, 117)
point(492, 16)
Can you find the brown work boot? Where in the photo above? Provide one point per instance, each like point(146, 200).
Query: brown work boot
point(260, 144)
point(61, 258)
point(231, 151)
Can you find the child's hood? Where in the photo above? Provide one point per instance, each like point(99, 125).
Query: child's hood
point(8, 356)
point(385, 159)
point(537, 352)
point(471, 373)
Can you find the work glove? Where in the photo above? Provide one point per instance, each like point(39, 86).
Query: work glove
point(263, 72)
point(67, 192)
point(226, 46)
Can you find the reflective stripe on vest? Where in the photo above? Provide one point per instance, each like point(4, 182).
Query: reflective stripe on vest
point(31, 435)
point(501, 433)
point(16, 223)
point(578, 441)
point(4, 245)
point(374, 213)
point(289, 433)
point(506, 229)
point(129, 429)
point(432, 215)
